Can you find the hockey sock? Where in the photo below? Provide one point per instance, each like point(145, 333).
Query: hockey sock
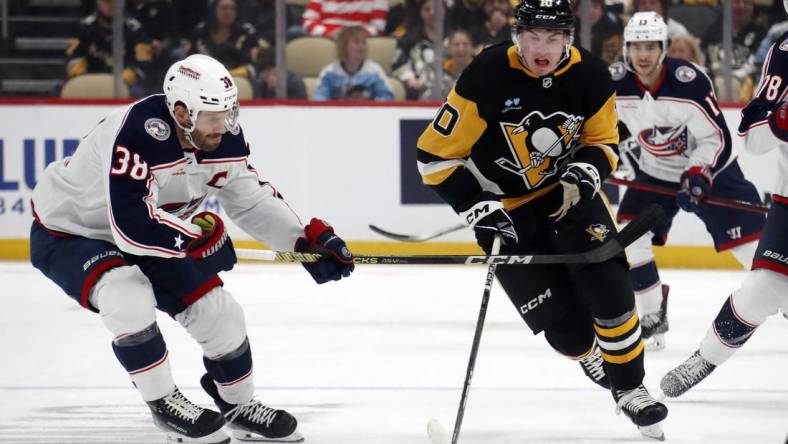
point(572, 335)
point(647, 286)
point(622, 349)
point(144, 355)
point(727, 334)
point(232, 374)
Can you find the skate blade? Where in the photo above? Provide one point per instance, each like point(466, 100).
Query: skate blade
point(656, 342)
point(436, 432)
point(246, 436)
point(654, 431)
point(217, 437)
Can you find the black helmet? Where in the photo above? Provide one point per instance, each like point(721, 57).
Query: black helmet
point(550, 14)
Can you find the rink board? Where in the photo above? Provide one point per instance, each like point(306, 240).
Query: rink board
point(351, 165)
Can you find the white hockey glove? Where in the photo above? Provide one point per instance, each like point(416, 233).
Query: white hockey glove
point(580, 183)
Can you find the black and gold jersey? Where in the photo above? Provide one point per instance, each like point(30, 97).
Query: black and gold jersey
point(505, 130)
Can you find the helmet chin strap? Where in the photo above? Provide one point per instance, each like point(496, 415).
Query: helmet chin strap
point(187, 132)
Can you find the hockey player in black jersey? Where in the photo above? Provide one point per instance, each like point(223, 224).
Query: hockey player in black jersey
point(519, 149)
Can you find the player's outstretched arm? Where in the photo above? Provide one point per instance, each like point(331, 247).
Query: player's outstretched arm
point(319, 237)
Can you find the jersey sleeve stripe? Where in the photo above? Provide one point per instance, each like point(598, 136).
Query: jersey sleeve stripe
point(439, 176)
point(164, 166)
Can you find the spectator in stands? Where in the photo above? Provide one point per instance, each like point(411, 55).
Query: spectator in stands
point(748, 31)
point(661, 7)
point(160, 24)
point(327, 17)
point(414, 55)
point(496, 26)
point(459, 55)
point(190, 13)
point(222, 36)
point(353, 76)
point(465, 14)
point(262, 13)
point(91, 50)
point(687, 47)
point(606, 32)
point(267, 79)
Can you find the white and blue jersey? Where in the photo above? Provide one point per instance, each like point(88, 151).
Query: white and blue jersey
point(677, 122)
point(762, 134)
point(678, 125)
point(131, 183)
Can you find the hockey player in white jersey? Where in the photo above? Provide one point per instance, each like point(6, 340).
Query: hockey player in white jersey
point(114, 228)
point(669, 108)
point(764, 125)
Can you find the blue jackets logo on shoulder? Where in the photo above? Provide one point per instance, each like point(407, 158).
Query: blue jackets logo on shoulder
point(617, 71)
point(784, 45)
point(685, 74)
point(157, 128)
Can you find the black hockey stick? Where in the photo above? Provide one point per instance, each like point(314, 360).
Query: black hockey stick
point(638, 227)
point(435, 431)
point(755, 207)
point(415, 237)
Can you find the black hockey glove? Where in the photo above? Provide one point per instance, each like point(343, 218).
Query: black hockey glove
point(580, 182)
point(319, 238)
point(214, 249)
point(487, 217)
point(695, 185)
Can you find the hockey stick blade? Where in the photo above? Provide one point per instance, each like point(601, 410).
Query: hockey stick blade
point(414, 237)
point(436, 432)
point(638, 227)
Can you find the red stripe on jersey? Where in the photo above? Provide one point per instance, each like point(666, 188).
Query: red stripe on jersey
point(769, 265)
point(209, 285)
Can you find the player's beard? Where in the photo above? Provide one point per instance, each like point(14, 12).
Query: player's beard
point(205, 142)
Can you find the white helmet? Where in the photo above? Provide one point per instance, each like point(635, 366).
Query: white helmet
point(785, 5)
point(201, 83)
point(646, 27)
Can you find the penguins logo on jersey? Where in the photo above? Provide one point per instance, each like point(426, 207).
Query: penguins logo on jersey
point(664, 141)
point(537, 144)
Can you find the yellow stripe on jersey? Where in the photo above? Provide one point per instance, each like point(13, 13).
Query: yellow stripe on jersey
point(515, 63)
point(515, 202)
point(438, 176)
point(623, 359)
point(602, 127)
point(452, 133)
point(620, 330)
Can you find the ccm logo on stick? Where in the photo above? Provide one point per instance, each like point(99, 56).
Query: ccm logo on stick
point(498, 260)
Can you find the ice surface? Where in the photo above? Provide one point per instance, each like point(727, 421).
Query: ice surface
point(372, 358)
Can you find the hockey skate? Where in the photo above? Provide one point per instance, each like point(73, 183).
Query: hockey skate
point(593, 367)
point(687, 375)
point(254, 421)
point(185, 422)
point(654, 326)
point(643, 410)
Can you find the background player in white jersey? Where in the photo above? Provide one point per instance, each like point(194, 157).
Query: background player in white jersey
point(114, 229)
point(669, 108)
point(764, 125)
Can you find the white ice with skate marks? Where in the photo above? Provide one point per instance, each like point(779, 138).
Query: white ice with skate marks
point(370, 360)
